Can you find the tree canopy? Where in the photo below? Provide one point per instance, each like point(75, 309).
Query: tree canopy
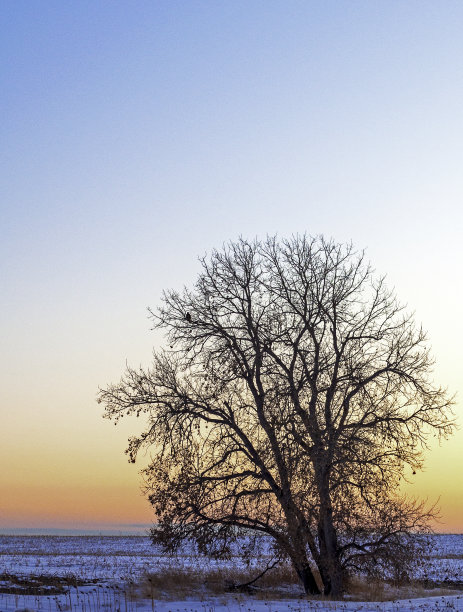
point(293, 394)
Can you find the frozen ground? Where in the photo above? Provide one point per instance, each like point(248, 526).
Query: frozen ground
point(98, 572)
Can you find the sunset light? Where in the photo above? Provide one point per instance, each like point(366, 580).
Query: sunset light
point(141, 140)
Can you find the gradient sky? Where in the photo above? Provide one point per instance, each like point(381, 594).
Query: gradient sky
point(136, 136)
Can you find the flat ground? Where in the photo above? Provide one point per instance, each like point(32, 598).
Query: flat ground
point(128, 574)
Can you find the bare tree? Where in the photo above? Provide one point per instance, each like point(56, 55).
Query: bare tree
point(293, 396)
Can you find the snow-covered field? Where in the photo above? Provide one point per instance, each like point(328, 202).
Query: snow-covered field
point(89, 573)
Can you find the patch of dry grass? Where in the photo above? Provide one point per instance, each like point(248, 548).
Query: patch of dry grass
point(279, 583)
point(172, 582)
point(370, 589)
point(39, 584)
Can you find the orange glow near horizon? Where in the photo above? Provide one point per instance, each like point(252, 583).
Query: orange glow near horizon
point(76, 507)
point(441, 482)
point(55, 484)
point(94, 493)
point(137, 137)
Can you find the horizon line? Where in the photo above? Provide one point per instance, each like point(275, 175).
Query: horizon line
point(122, 530)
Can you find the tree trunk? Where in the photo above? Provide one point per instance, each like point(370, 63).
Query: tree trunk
point(332, 577)
point(307, 578)
point(295, 547)
point(331, 570)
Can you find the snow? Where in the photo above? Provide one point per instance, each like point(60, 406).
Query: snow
point(89, 602)
point(109, 563)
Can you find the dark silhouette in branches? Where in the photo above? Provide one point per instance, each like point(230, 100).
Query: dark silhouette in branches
point(295, 394)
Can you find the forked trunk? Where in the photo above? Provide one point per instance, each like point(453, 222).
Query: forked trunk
point(307, 578)
point(332, 578)
point(296, 549)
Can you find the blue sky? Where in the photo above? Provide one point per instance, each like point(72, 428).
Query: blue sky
point(136, 136)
